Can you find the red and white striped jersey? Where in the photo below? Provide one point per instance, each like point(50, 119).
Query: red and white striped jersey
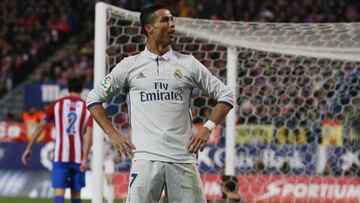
point(71, 119)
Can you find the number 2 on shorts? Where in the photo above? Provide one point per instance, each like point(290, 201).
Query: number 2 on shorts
point(133, 177)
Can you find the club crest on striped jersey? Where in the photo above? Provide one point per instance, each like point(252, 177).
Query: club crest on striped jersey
point(178, 73)
point(105, 84)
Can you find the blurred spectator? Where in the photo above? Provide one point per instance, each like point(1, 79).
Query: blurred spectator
point(30, 32)
point(42, 28)
point(328, 170)
point(70, 63)
point(10, 116)
point(268, 11)
point(32, 115)
point(355, 132)
point(353, 171)
point(229, 190)
point(187, 8)
point(259, 167)
point(285, 168)
point(32, 118)
point(332, 131)
point(291, 136)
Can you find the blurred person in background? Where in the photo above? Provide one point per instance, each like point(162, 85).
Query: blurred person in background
point(32, 115)
point(73, 141)
point(32, 118)
point(229, 190)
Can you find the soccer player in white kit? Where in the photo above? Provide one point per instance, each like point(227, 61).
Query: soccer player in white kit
point(159, 83)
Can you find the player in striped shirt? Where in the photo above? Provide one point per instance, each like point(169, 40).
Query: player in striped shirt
point(73, 124)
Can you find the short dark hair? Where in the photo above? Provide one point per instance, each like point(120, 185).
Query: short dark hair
point(75, 84)
point(147, 15)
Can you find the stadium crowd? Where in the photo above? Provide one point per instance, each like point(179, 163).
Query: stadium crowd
point(260, 10)
point(70, 62)
point(32, 30)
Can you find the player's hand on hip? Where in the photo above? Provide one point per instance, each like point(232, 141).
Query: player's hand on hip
point(123, 146)
point(25, 156)
point(199, 140)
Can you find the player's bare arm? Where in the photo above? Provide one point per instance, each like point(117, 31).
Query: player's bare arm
point(88, 143)
point(124, 146)
point(199, 140)
point(27, 153)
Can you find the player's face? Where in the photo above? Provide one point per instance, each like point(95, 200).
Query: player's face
point(163, 29)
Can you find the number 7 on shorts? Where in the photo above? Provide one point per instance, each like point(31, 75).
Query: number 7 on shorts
point(133, 177)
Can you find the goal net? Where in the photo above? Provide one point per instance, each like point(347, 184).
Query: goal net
point(294, 133)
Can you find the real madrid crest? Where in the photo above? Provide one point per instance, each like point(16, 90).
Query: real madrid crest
point(178, 74)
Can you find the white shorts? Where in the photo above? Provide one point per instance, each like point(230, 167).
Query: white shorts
point(148, 179)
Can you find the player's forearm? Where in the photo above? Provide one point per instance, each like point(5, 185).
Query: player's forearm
point(88, 142)
point(36, 134)
point(219, 113)
point(99, 114)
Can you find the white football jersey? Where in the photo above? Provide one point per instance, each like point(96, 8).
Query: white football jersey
point(159, 101)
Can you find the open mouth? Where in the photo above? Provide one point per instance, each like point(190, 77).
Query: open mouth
point(172, 33)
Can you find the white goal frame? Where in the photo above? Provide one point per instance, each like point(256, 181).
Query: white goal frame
point(230, 40)
point(99, 74)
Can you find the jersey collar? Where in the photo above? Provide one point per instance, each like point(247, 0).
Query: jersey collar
point(153, 56)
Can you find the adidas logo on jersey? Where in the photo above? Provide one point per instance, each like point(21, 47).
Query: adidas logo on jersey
point(140, 75)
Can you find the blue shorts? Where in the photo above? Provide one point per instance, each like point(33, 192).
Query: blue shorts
point(67, 175)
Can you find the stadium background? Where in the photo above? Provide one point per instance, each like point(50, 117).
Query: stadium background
point(44, 42)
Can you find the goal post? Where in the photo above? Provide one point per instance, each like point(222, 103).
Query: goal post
point(99, 74)
point(231, 118)
point(297, 102)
